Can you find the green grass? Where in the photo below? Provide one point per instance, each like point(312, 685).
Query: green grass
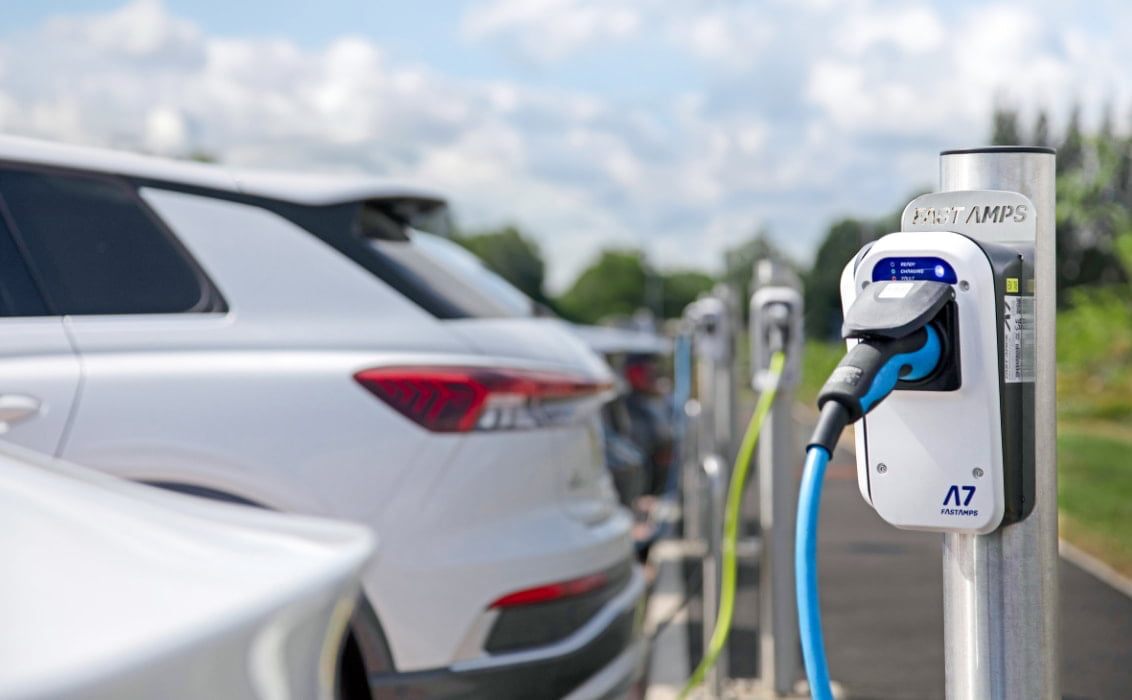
point(1094, 356)
point(1095, 490)
point(1094, 408)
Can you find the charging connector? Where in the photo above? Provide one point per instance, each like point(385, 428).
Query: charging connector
point(868, 373)
point(892, 320)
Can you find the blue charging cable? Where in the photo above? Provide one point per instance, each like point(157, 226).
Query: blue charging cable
point(867, 374)
point(806, 573)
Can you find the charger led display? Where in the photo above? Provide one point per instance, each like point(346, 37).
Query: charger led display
point(913, 269)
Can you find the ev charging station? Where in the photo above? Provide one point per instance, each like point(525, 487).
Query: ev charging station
point(776, 326)
point(711, 321)
point(951, 330)
point(943, 454)
point(950, 380)
point(714, 344)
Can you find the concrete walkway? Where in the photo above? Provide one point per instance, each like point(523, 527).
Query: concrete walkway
point(881, 592)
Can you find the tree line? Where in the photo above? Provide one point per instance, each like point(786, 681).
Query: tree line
point(1094, 216)
point(618, 283)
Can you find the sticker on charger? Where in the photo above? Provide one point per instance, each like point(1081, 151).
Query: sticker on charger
point(1018, 339)
point(895, 290)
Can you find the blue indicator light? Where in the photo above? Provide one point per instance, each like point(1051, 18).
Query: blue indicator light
point(914, 268)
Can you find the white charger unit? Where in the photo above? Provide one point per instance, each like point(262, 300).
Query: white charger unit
point(933, 455)
point(775, 308)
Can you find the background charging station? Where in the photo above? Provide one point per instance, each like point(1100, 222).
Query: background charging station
point(775, 325)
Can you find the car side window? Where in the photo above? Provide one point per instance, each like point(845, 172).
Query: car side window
point(19, 295)
point(96, 249)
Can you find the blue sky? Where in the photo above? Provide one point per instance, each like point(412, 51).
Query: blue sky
point(678, 127)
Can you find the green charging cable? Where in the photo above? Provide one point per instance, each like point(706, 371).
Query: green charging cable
point(731, 525)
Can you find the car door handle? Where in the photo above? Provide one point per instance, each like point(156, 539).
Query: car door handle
point(17, 407)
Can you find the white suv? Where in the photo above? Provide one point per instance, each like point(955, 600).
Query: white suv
point(281, 341)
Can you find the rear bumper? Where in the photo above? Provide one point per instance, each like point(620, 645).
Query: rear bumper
point(604, 659)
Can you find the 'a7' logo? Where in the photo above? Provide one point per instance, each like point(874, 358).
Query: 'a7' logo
point(953, 492)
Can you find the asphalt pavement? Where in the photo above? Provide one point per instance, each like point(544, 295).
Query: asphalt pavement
point(882, 609)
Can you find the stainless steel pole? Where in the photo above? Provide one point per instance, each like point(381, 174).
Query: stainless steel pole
point(714, 479)
point(709, 318)
point(724, 376)
point(684, 365)
point(693, 507)
point(706, 369)
point(1001, 590)
point(706, 443)
point(778, 620)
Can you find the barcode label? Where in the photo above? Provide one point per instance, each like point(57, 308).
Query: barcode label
point(1018, 339)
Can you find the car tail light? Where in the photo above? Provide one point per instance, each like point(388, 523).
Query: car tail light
point(554, 591)
point(461, 399)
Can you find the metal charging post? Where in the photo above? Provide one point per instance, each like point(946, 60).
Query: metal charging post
point(710, 318)
point(776, 324)
point(685, 412)
point(1001, 589)
point(715, 487)
point(725, 376)
point(699, 435)
point(706, 319)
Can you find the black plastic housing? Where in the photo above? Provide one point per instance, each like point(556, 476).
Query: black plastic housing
point(1014, 261)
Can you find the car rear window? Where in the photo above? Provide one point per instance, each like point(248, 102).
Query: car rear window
point(445, 268)
point(96, 249)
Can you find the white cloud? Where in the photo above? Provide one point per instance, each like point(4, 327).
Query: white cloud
point(802, 111)
point(141, 30)
point(910, 30)
point(547, 31)
point(166, 132)
point(7, 109)
point(732, 37)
